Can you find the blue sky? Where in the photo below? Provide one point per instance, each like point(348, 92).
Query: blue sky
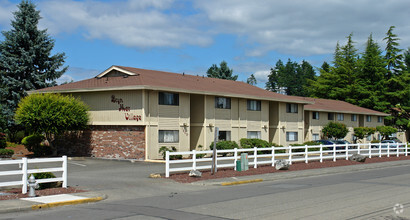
point(190, 36)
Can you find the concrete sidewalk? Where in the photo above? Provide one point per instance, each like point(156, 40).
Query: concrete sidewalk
point(42, 202)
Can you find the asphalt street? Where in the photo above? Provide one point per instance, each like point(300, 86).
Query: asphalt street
point(378, 193)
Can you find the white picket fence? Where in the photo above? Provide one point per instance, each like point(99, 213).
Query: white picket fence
point(23, 170)
point(269, 156)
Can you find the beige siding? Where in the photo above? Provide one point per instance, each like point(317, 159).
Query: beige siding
point(114, 108)
point(290, 122)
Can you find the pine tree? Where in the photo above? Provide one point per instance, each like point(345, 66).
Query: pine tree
point(393, 56)
point(222, 72)
point(274, 84)
point(251, 80)
point(26, 62)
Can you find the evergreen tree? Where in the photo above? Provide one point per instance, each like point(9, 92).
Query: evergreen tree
point(370, 91)
point(26, 62)
point(407, 59)
point(291, 78)
point(251, 80)
point(222, 72)
point(393, 56)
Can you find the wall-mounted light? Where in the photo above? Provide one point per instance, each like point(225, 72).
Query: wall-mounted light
point(265, 127)
point(185, 125)
point(211, 125)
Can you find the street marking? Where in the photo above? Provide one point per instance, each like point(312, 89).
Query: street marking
point(78, 164)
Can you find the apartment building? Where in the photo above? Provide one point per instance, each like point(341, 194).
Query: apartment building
point(135, 111)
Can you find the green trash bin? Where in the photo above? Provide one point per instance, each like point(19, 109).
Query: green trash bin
point(238, 165)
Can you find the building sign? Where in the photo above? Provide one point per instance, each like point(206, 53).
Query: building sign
point(126, 109)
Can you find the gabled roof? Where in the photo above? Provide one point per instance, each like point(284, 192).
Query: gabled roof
point(328, 105)
point(128, 78)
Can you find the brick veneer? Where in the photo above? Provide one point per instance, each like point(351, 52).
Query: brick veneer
point(108, 141)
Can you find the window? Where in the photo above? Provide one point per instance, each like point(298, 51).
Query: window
point(166, 98)
point(291, 108)
point(315, 137)
point(340, 117)
point(168, 136)
point(354, 117)
point(369, 138)
point(379, 119)
point(330, 116)
point(222, 102)
point(254, 134)
point(254, 105)
point(368, 118)
point(315, 115)
point(291, 136)
point(224, 135)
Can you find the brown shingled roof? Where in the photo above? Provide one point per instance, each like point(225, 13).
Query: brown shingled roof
point(328, 105)
point(159, 80)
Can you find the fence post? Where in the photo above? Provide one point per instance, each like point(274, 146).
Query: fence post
point(358, 148)
point(216, 161)
point(167, 164)
point(380, 149)
point(321, 153)
point(235, 154)
point(398, 149)
point(406, 149)
point(194, 159)
point(347, 151)
point(334, 152)
point(370, 150)
point(290, 154)
point(306, 154)
point(388, 149)
point(255, 159)
point(65, 172)
point(24, 178)
point(273, 156)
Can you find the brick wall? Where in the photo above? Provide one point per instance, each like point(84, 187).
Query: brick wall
point(120, 142)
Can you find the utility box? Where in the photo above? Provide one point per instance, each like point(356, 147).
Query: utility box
point(238, 165)
point(244, 162)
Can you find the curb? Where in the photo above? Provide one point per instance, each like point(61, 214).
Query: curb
point(241, 182)
point(71, 202)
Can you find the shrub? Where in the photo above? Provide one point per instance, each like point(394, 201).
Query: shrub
point(374, 141)
point(33, 143)
point(254, 142)
point(3, 143)
point(224, 145)
point(164, 149)
point(200, 148)
point(335, 130)
point(46, 175)
point(6, 153)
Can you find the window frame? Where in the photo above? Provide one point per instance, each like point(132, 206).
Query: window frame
point(368, 118)
point(227, 135)
point(315, 115)
point(330, 116)
point(315, 139)
point(162, 100)
point(295, 133)
point(227, 102)
point(259, 133)
point(257, 105)
point(162, 140)
point(353, 117)
point(380, 119)
point(289, 108)
point(340, 116)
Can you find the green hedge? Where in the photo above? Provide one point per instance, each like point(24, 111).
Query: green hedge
point(254, 142)
point(224, 145)
point(6, 153)
point(162, 150)
point(3, 143)
point(33, 143)
point(46, 175)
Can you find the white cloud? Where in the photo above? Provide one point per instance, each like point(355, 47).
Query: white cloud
point(6, 12)
point(141, 24)
point(306, 27)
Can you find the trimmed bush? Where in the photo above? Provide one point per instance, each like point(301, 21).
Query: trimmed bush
point(34, 144)
point(254, 142)
point(6, 153)
point(375, 141)
point(46, 175)
point(162, 150)
point(224, 145)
